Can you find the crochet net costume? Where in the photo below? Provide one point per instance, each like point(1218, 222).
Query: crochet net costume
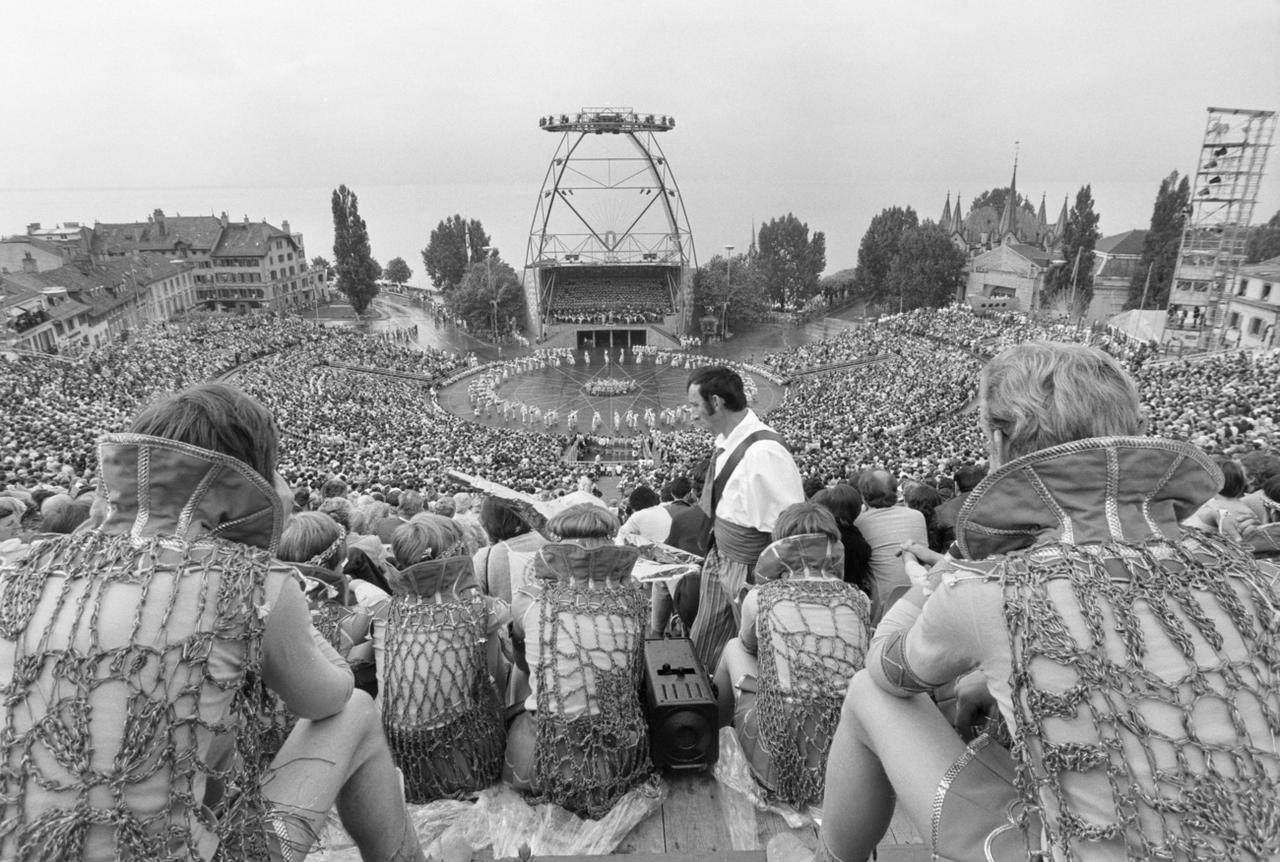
point(1146, 739)
point(128, 741)
point(804, 674)
point(56, 686)
point(1145, 666)
point(440, 709)
point(591, 623)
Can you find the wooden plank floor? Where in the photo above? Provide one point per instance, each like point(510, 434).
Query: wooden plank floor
point(703, 821)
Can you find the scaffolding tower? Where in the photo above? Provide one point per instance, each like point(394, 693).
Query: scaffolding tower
point(1229, 169)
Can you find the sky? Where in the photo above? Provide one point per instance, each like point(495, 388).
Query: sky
point(832, 110)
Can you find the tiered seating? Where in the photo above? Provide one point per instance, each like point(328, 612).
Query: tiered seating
point(629, 297)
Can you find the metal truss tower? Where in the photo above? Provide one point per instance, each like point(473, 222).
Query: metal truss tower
point(604, 204)
point(1229, 171)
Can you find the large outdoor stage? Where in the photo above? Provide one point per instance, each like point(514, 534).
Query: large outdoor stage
point(564, 389)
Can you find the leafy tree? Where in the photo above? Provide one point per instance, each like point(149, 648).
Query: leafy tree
point(472, 299)
point(1264, 241)
point(322, 264)
point(995, 199)
point(1073, 283)
point(789, 260)
point(927, 270)
point(878, 249)
point(733, 290)
point(397, 271)
point(357, 271)
point(454, 245)
point(1160, 248)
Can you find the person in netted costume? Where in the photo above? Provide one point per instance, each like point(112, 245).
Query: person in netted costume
point(1135, 664)
point(140, 658)
point(583, 741)
point(341, 608)
point(804, 634)
point(441, 672)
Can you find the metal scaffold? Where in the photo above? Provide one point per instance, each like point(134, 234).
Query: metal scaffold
point(609, 201)
point(1229, 169)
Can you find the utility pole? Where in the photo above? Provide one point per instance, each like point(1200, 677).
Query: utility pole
point(1143, 305)
point(728, 268)
point(493, 297)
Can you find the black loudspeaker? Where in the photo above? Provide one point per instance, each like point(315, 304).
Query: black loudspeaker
point(683, 714)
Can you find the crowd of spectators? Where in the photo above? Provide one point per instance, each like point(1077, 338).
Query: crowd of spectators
point(897, 394)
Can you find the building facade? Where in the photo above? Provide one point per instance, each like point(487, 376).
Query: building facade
point(84, 305)
point(1115, 259)
point(1253, 309)
point(239, 266)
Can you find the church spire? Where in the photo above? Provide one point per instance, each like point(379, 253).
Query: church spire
point(945, 221)
point(1061, 227)
point(957, 219)
point(1009, 219)
point(1041, 217)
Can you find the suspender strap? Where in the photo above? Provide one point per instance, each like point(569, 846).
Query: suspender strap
point(735, 457)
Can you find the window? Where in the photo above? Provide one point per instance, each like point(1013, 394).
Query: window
point(1255, 325)
point(1266, 290)
point(1233, 320)
point(1244, 285)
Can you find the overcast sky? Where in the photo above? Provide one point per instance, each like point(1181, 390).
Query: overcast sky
point(831, 110)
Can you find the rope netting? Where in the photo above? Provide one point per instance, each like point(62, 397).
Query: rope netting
point(128, 701)
point(1146, 697)
point(592, 638)
point(440, 708)
point(813, 637)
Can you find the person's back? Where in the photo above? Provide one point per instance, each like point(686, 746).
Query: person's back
point(886, 527)
point(583, 741)
point(439, 668)
point(145, 663)
point(813, 634)
point(160, 660)
point(1132, 661)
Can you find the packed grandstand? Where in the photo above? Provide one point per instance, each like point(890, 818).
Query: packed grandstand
point(896, 394)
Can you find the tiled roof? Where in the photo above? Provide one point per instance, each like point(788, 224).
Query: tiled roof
point(1129, 242)
point(199, 232)
point(1038, 256)
point(247, 240)
point(1262, 269)
point(34, 242)
point(81, 281)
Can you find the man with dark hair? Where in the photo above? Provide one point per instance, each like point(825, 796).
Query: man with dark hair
point(886, 525)
point(966, 479)
point(688, 522)
point(648, 519)
point(333, 487)
point(751, 479)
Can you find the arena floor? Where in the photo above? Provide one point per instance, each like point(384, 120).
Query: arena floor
point(562, 389)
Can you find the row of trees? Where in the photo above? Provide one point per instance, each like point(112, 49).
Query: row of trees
point(779, 272)
point(903, 264)
point(479, 287)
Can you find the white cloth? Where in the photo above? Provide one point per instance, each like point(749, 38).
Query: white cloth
point(653, 523)
point(765, 482)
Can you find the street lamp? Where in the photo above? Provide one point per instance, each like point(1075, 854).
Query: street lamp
point(728, 268)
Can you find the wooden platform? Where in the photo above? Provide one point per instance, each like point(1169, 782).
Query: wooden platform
point(700, 818)
point(702, 821)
